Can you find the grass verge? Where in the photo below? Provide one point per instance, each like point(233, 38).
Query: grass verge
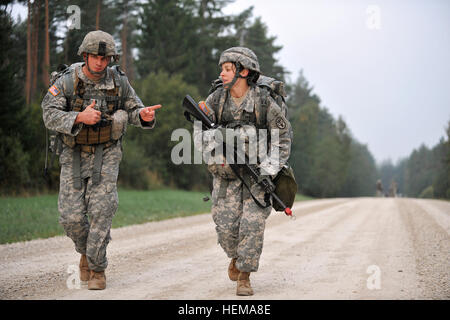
point(37, 217)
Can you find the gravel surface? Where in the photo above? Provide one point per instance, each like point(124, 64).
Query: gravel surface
point(359, 248)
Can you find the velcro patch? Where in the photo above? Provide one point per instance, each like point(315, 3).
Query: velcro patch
point(204, 107)
point(54, 91)
point(280, 123)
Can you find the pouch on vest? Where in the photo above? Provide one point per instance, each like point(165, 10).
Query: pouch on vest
point(119, 124)
point(285, 187)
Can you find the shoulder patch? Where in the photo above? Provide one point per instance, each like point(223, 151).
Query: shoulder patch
point(54, 91)
point(280, 123)
point(204, 107)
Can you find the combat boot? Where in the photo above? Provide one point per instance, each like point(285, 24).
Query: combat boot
point(233, 272)
point(243, 285)
point(85, 273)
point(97, 280)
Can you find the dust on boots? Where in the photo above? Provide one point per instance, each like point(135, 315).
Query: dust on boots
point(85, 273)
point(97, 280)
point(233, 272)
point(243, 285)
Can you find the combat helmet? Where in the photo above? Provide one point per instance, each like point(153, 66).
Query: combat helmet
point(99, 43)
point(246, 57)
point(243, 58)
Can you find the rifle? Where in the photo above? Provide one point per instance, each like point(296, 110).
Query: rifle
point(194, 110)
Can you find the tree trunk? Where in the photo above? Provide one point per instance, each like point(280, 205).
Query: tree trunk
point(46, 64)
point(97, 17)
point(28, 76)
point(124, 36)
point(203, 50)
point(35, 41)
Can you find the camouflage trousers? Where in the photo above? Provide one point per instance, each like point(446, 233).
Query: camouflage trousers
point(240, 222)
point(86, 214)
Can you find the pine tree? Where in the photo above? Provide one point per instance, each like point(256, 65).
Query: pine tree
point(13, 157)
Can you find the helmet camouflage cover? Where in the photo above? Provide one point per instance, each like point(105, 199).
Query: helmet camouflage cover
point(98, 43)
point(246, 57)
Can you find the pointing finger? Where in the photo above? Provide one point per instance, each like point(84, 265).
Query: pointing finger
point(154, 107)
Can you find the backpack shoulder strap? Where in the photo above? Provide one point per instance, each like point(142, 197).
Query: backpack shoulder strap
point(70, 80)
point(261, 107)
point(120, 77)
point(120, 83)
point(222, 96)
point(217, 101)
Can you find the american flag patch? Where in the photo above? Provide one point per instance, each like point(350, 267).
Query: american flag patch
point(54, 91)
point(204, 107)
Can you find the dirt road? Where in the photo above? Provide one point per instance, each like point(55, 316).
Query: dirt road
point(364, 248)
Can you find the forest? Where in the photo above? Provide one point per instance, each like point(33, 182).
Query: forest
point(170, 48)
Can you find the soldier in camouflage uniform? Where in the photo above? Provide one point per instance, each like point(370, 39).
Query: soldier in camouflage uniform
point(240, 222)
point(379, 188)
point(90, 107)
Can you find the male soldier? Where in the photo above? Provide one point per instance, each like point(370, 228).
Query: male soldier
point(90, 107)
point(379, 188)
point(393, 189)
point(240, 221)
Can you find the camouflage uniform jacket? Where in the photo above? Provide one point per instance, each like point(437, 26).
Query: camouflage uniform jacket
point(275, 120)
point(55, 103)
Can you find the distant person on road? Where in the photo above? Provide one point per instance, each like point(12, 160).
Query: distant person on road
point(393, 189)
point(90, 106)
point(379, 188)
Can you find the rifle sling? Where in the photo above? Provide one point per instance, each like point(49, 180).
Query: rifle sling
point(76, 167)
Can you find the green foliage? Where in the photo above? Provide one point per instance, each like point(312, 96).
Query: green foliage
point(183, 37)
point(418, 171)
point(13, 155)
point(37, 217)
point(361, 172)
point(168, 37)
point(326, 159)
point(156, 145)
point(427, 193)
point(441, 183)
point(256, 37)
point(133, 172)
point(109, 22)
point(178, 44)
point(327, 169)
point(13, 165)
point(425, 173)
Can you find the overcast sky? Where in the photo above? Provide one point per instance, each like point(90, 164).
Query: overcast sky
point(381, 65)
point(388, 77)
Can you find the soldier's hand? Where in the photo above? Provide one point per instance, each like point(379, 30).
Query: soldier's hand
point(89, 116)
point(148, 114)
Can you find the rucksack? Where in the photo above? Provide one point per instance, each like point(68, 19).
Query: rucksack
point(285, 183)
point(269, 87)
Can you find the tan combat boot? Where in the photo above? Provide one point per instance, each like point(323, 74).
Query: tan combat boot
point(243, 285)
point(97, 280)
point(233, 272)
point(85, 273)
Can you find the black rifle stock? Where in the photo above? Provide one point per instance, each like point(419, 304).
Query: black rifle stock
point(192, 109)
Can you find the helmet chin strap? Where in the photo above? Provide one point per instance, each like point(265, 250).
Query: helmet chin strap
point(237, 75)
point(98, 73)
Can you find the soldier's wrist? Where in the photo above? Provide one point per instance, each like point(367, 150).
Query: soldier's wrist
point(80, 118)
